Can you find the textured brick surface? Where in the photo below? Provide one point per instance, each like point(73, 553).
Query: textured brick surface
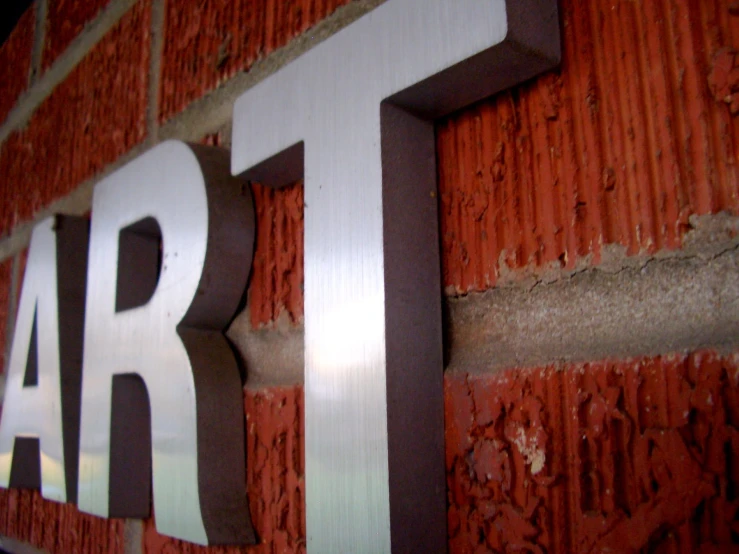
point(93, 117)
point(633, 456)
point(64, 21)
point(622, 146)
point(15, 61)
point(56, 528)
point(276, 285)
point(207, 42)
point(274, 475)
point(6, 275)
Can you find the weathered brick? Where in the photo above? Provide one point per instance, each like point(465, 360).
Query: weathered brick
point(97, 114)
point(64, 21)
point(57, 528)
point(207, 42)
point(275, 477)
point(619, 147)
point(276, 285)
point(15, 61)
point(617, 456)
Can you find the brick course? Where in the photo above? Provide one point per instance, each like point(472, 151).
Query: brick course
point(97, 114)
point(15, 61)
point(64, 21)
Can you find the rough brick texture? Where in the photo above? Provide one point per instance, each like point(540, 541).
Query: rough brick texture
point(93, 117)
point(64, 21)
point(274, 477)
point(633, 456)
point(620, 147)
point(276, 285)
point(207, 42)
point(56, 528)
point(6, 277)
point(15, 61)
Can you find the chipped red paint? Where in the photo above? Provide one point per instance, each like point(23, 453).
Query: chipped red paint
point(97, 114)
point(276, 285)
point(275, 477)
point(619, 147)
point(64, 21)
point(206, 43)
point(15, 61)
point(630, 456)
point(56, 528)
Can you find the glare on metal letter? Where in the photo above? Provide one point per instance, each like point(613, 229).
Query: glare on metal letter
point(40, 420)
point(355, 117)
point(154, 327)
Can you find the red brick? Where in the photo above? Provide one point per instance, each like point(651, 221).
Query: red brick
point(619, 147)
point(275, 477)
point(207, 42)
point(627, 456)
point(57, 528)
point(97, 114)
point(15, 61)
point(276, 284)
point(6, 276)
point(64, 21)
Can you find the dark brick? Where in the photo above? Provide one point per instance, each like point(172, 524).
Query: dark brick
point(15, 61)
point(97, 114)
point(64, 21)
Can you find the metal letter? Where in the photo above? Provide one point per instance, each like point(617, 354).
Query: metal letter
point(362, 103)
point(171, 347)
point(39, 431)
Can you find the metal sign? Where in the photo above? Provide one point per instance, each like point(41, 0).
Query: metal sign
point(160, 393)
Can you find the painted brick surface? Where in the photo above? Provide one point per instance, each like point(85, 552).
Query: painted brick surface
point(64, 21)
point(207, 42)
point(15, 61)
point(631, 456)
point(56, 528)
point(276, 286)
point(620, 147)
point(97, 114)
point(274, 475)
point(6, 276)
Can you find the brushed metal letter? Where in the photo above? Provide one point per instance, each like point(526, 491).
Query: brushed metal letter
point(362, 104)
point(173, 342)
point(39, 431)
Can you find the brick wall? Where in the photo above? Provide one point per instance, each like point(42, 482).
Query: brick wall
point(589, 250)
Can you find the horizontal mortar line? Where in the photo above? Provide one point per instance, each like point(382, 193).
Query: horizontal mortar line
point(663, 306)
point(209, 114)
point(19, 547)
point(63, 66)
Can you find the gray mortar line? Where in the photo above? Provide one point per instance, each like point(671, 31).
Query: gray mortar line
point(133, 534)
point(158, 8)
point(17, 547)
point(664, 306)
point(39, 35)
point(63, 66)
